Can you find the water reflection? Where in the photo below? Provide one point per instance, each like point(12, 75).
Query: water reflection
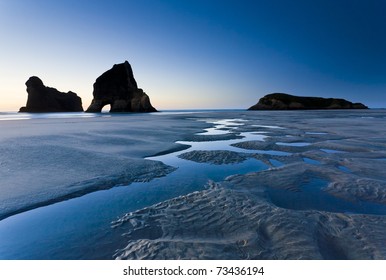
point(29, 116)
point(80, 228)
point(293, 144)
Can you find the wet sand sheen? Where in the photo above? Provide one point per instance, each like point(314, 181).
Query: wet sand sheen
point(331, 182)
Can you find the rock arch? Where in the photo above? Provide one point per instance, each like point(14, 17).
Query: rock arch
point(118, 88)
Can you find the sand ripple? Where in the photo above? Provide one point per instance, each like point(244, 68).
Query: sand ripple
point(226, 221)
point(214, 157)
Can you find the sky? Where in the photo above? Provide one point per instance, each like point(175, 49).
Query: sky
point(196, 54)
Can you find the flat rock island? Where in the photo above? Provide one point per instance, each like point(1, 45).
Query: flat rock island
point(118, 88)
point(283, 101)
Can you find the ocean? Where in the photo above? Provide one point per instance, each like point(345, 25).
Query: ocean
point(194, 185)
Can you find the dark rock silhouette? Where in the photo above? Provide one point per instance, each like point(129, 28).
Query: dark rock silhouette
point(282, 101)
point(46, 99)
point(118, 88)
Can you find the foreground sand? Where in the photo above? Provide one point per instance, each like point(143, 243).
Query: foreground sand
point(321, 192)
point(46, 160)
point(326, 200)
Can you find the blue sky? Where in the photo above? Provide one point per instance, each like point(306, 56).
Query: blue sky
point(197, 54)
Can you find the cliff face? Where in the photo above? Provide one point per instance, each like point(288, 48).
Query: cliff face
point(46, 99)
point(118, 88)
point(282, 101)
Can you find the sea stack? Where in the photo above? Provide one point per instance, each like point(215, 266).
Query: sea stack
point(283, 101)
point(42, 99)
point(118, 88)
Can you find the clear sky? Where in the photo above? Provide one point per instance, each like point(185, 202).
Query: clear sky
point(197, 53)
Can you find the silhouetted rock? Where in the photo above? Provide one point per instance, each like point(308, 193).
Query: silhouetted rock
point(118, 88)
point(46, 99)
point(282, 101)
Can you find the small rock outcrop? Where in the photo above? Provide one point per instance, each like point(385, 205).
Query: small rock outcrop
point(118, 88)
point(42, 99)
point(282, 101)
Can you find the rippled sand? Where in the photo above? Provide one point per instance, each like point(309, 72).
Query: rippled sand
point(322, 198)
point(229, 221)
point(302, 185)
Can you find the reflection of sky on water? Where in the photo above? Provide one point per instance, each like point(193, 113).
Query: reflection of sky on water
point(294, 144)
point(317, 133)
point(344, 169)
point(268, 126)
point(80, 228)
point(222, 126)
point(312, 196)
point(276, 163)
point(311, 161)
point(30, 116)
point(330, 151)
point(69, 229)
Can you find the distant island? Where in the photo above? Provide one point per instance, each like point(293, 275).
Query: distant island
point(283, 101)
point(115, 87)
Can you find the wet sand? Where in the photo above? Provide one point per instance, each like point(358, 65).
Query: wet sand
point(46, 160)
point(323, 199)
point(321, 194)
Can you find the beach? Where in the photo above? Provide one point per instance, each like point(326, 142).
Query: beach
point(194, 185)
point(53, 157)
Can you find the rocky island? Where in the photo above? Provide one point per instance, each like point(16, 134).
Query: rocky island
point(282, 101)
point(118, 88)
point(42, 99)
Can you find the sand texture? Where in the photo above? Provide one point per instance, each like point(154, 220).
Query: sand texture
point(322, 198)
point(227, 223)
point(46, 160)
point(201, 185)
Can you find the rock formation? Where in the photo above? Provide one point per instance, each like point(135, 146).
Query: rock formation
point(118, 88)
point(282, 101)
point(46, 99)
